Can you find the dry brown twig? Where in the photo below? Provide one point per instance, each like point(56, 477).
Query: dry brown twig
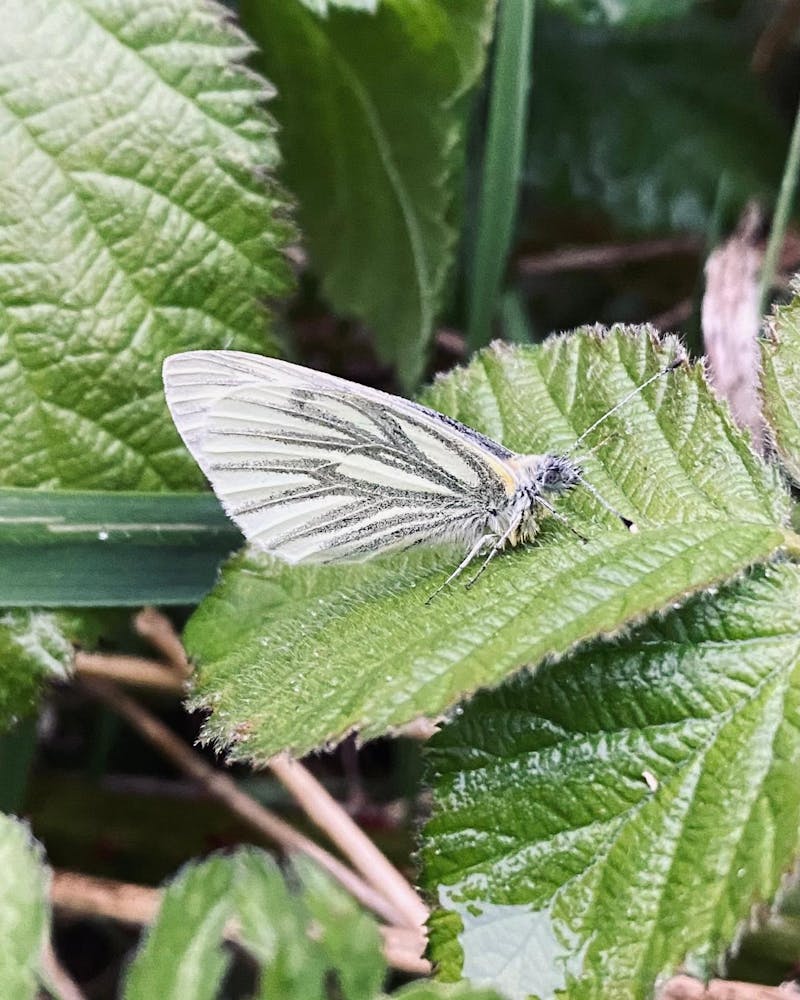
point(602, 256)
point(86, 895)
point(329, 816)
point(154, 626)
point(55, 975)
point(135, 671)
point(225, 790)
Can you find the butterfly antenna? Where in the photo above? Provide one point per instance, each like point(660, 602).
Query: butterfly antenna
point(634, 392)
point(629, 524)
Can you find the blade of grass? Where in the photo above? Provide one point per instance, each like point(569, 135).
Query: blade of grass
point(502, 163)
point(87, 549)
point(782, 210)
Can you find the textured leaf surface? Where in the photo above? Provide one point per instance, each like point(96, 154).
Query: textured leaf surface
point(294, 657)
point(377, 99)
point(24, 910)
point(304, 935)
point(84, 549)
point(677, 110)
point(135, 220)
point(598, 821)
point(33, 649)
point(780, 383)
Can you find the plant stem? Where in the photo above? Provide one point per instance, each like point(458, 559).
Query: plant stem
point(502, 163)
point(221, 787)
point(782, 210)
point(329, 816)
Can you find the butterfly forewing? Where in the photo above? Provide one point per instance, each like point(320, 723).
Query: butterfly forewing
point(316, 468)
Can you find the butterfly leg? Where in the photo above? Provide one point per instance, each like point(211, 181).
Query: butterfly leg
point(560, 517)
point(464, 563)
point(498, 546)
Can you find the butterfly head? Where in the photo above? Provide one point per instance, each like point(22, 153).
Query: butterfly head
point(556, 474)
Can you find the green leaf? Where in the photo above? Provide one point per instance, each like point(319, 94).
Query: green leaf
point(304, 935)
point(33, 649)
point(625, 806)
point(24, 910)
point(631, 13)
point(780, 384)
point(181, 958)
point(377, 99)
point(677, 109)
point(136, 219)
point(299, 656)
point(84, 549)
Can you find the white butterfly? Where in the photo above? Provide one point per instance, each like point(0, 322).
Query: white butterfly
point(314, 468)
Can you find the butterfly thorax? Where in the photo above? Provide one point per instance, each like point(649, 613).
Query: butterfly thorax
point(537, 479)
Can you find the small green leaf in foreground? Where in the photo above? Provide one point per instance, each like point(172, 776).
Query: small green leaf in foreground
point(596, 822)
point(299, 656)
point(380, 97)
point(303, 931)
point(136, 219)
point(24, 910)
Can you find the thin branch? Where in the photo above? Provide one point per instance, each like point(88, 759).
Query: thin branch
point(607, 255)
point(221, 787)
point(54, 974)
point(135, 670)
point(87, 895)
point(687, 988)
point(403, 948)
point(154, 626)
point(330, 817)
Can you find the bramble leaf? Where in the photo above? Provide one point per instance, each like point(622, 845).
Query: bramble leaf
point(295, 657)
point(622, 808)
point(136, 219)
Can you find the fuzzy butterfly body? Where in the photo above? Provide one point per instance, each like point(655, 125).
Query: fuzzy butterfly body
point(315, 468)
